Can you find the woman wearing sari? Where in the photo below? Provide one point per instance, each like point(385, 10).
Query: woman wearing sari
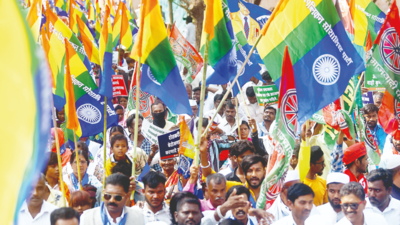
point(168, 167)
point(72, 178)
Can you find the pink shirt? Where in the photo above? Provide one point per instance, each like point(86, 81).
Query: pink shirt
point(205, 204)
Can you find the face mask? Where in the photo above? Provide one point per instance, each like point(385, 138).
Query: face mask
point(159, 119)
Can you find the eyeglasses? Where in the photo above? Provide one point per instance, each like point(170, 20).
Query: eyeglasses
point(117, 198)
point(353, 206)
point(322, 163)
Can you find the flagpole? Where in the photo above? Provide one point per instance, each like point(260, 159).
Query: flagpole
point(202, 96)
point(104, 143)
point(77, 160)
point(231, 86)
point(244, 100)
point(61, 182)
point(136, 121)
point(237, 114)
point(355, 92)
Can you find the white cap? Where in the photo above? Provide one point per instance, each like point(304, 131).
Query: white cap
point(157, 223)
point(192, 102)
point(337, 178)
point(292, 175)
point(392, 162)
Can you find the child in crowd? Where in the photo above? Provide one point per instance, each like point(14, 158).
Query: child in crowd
point(119, 148)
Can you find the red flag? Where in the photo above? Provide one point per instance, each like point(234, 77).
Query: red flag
point(388, 114)
point(368, 47)
point(334, 118)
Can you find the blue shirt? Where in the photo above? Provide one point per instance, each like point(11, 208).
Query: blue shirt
point(146, 146)
point(379, 135)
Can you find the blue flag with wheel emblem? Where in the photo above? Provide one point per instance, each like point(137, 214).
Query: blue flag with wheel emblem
point(323, 57)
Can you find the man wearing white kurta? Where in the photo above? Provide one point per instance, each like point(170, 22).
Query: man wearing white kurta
point(332, 211)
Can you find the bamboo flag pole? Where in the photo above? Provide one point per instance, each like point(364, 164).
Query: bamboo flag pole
point(244, 100)
point(61, 182)
point(355, 92)
point(237, 115)
point(104, 143)
point(231, 86)
point(135, 140)
point(77, 161)
point(202, 96)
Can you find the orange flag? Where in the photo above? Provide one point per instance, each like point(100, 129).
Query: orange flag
point(70, 109)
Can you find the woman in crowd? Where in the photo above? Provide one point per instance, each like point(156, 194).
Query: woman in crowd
point(168, 167)
point(244, 131)
point(72, 178)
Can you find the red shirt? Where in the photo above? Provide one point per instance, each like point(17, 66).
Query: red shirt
point(360, 179)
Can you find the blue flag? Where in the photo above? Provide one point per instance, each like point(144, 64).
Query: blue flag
point(172, 93)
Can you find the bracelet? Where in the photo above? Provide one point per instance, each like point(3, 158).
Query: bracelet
point(203, 167)
point(219, 213)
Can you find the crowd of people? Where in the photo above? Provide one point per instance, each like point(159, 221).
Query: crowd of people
point(92, 184)
point(339, 188)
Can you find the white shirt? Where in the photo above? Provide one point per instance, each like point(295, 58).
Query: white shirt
point(43, 218)
point(163, 215)
point(391, 213)
point(226, 127)
point(190, 34)
point(331, 217)
point(370, 218)
point(280, 210)
point(387, 152)
point(118, 219)
point(256, 111)
point(311, 220)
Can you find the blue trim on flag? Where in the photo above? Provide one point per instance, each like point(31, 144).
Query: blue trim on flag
point(172, 91)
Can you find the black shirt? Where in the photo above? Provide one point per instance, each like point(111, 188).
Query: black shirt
point(232, 176)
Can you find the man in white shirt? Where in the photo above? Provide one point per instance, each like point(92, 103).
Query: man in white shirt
point(256, 111)
point(155, 209)
point(35, 210)
point(332, 211)
point(253, 82)
point(379, 200)
point(279, 208)
point(300, 202)
point(113, 210)
point(229, 123)
point(352, 196)
point(189, 33)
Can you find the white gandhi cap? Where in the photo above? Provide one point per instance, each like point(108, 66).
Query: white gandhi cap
point(392, 162)
point(192, 102)
point(337, 178)
point(292, 175)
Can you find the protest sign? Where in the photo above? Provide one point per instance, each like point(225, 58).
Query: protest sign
point(373, 83)
point(119, 87)
point(368, 98)
point(168, 144)
point(185, 53)
point(267, 94)
point(151, 131)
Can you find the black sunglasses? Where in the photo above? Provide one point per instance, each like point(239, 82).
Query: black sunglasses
point(117, 198)
point(353, 206)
